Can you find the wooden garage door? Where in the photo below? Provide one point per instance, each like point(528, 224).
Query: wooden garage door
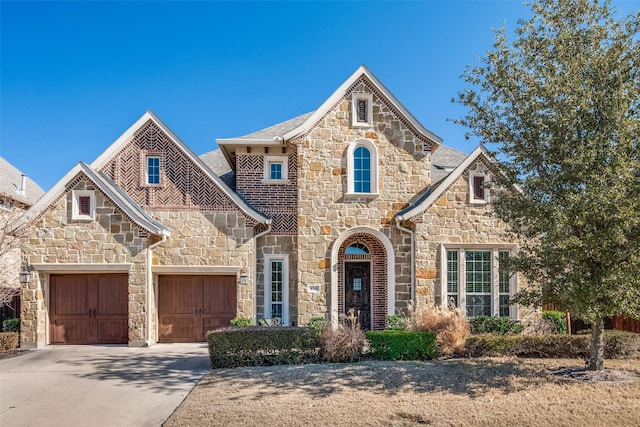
point(89, 308)
point(189, 306)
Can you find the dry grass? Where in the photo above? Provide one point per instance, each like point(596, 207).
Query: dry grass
point(448, 323)
point(458, 392)
point(345, 343)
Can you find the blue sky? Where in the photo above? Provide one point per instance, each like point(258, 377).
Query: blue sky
point(75, 75)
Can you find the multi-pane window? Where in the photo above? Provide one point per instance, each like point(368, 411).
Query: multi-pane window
point(503, 283)
point(476, 281)
point(361, 170)
point(452, 278)
point(153, 170)
point(276, 288)
point(275, 170)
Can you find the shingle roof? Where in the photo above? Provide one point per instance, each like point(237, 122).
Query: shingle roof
point(277, 129)
point(216, 161)
point(443, 161)
point(10, 178)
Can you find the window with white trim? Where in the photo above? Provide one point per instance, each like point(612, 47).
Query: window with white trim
point(478, 187)
point(276, 169)
point(362, 110)
point(153, 170)
point(276, 287)
point(362, 168)
point(83, 205)
point(476, 282)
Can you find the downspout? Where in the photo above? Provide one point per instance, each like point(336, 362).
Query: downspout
point(255, 270)
point(413, 258)
point(150, 283)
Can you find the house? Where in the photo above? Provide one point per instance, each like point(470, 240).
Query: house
point(353, 205)
point(17, 193)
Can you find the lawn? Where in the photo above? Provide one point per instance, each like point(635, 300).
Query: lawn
point(457, 392)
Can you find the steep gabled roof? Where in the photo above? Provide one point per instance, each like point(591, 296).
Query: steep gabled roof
point(443, 161)
point(125, 138)
point(108, 187)
point(362, 72)
point(10, 181)
point(436, 191)
point(268, 134)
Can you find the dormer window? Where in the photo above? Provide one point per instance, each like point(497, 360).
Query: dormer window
point(478, 187)
point(83, 205)
point(362, 110)
point(276, 169)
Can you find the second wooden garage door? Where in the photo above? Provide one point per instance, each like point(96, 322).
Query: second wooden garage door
point(189, 306)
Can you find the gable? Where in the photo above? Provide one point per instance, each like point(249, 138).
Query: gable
point(186, 183)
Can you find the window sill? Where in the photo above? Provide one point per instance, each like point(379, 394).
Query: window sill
point(478, 202)
point(361, 195)
point(275, 181)
point(83, 218)
point(361, 125)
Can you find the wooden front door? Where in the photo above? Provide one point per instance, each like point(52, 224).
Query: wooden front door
point(357, 291)
point(89, 309)
point(189, 306)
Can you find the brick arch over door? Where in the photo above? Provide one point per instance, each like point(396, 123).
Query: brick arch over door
point(382, 261)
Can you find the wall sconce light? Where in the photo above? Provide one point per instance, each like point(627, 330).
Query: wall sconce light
point(25, 275)
point(244, 276)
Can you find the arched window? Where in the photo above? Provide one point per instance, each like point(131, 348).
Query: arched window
point(362, 168)
point(357, 249)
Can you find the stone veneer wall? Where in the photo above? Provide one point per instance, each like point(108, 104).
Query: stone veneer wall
point(55, 238)
point(324, 213)
point(200, 239)
point(452, 219)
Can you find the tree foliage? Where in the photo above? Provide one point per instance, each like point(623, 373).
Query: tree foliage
point(561, 103)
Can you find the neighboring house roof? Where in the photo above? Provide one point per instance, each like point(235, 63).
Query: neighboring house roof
point(216, 161)
point(108, 187)
point(125, 138)
point(436, 191)
point(443, 161)
point(10, 182)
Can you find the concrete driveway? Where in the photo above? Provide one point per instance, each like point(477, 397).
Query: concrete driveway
point(102, 385)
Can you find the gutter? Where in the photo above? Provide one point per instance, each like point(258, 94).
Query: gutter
point(149, 341)
point(413, 259)
point(255, 269)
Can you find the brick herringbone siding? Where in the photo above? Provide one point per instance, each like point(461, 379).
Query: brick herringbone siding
point(183, 185)
point(277, 201)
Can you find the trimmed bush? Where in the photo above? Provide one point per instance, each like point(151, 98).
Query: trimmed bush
point(241, 322)
point(558, 319)
point(618, 345)
point(11, 325)
point(495, 325)
point(402, 345)
point(256, 346)
point(9, 341)
point(317, 323)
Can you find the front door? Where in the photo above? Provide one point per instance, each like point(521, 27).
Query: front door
point(357, 291)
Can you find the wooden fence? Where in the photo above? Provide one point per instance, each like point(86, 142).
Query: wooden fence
point(618, 323)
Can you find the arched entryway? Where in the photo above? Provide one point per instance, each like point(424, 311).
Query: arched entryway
point(362, 276)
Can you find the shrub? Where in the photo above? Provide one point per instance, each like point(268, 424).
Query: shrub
point(240, 322)
point(558, 319)
point(495, 325)
point(618, 345)
point(397, 322)
point(402, 345)
point(8, 341)
point(272, 321)
point(345, 343)
point(317, 323)
point(11, 325)
point(256, 345)
point(448, 323)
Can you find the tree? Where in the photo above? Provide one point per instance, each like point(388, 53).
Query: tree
point(561, 104)
point(9, 257)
